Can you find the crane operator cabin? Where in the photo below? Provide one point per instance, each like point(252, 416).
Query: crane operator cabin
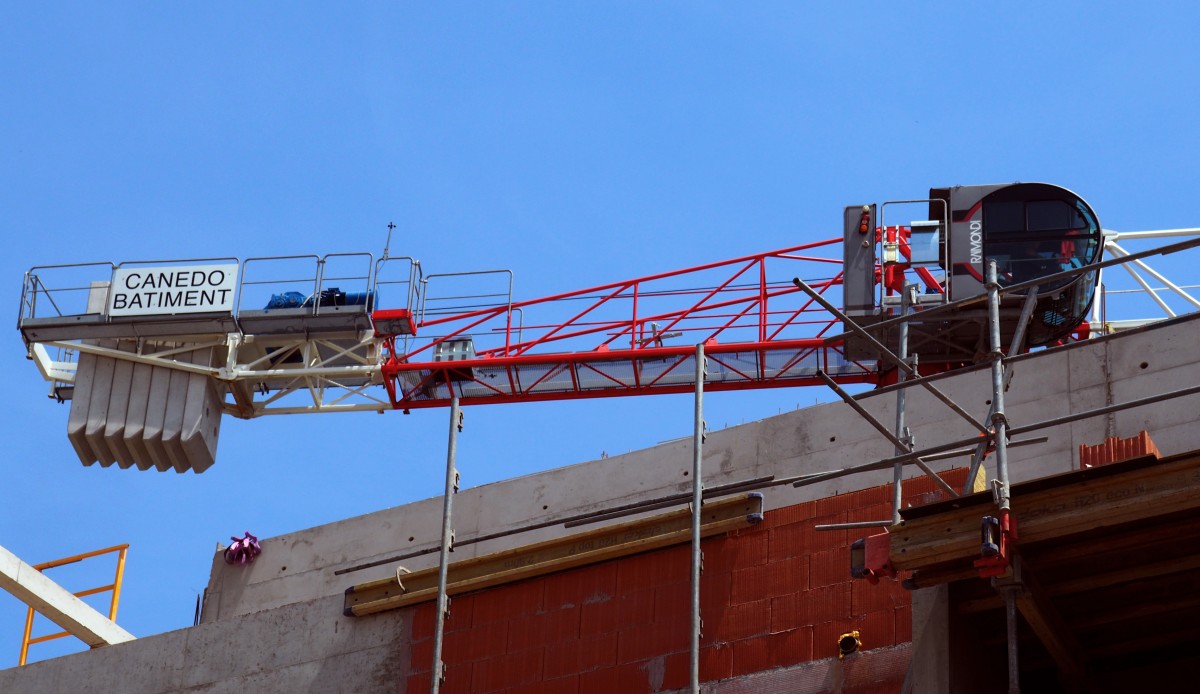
point(1030, 231)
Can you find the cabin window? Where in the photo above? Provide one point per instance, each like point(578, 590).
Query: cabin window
point(1029, 239)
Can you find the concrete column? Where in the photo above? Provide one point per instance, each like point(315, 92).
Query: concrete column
point(931, 640)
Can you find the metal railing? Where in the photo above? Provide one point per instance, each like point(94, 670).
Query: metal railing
point(71, 290)
point(28, 639)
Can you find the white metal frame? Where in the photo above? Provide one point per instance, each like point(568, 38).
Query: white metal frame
point(1104, 324)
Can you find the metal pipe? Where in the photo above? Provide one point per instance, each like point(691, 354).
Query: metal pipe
point(25, 640)
point(116, 586)
point(1157, 234)
point(1018, 343)
point(1014, 665)
point(968, 451)
point(933, 476)
point(1018, 339)
point(854, 525)
point(849, 400)
point(1014, 431)
point(903, 445)
point(999, 423)
point(697, 502)
point(655, 504)
point(443, 600)
point(585, 518)
point(887, 353)
point(1067, 419)
point(927, 313)
point(907, 459)
point(1014, 359)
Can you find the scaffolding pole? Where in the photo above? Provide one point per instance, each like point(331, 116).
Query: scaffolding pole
point(697, 502)
point(886, 353)
point(1000, 437)
point(443, 600)
point(1018, 343)
point(1010, 615)
point(998, 421)
point(901, 429)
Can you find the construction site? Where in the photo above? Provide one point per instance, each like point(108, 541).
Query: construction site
point(1001, 493)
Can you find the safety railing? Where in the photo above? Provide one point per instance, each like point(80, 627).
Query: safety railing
point(81, 294)
point(306, 282)
point(1139, 292)
point(28, 639)
point(58, 291)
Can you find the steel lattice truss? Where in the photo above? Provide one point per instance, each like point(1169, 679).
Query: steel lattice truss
point(425, 338)
point(633, 337)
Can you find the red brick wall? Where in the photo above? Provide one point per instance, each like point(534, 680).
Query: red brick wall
point(773, 595)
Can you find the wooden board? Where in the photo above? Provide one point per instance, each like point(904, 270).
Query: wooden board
point(1045, 510)
point(558, 554)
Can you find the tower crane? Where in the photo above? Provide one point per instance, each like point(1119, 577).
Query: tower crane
point(151, 354)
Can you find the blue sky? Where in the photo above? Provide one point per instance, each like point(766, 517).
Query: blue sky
point(574, 143)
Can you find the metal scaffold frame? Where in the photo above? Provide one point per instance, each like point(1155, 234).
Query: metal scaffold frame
point(995, 438)
point(1005, 569)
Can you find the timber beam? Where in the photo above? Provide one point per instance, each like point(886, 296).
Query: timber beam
point(940, 536)
point(610, 542)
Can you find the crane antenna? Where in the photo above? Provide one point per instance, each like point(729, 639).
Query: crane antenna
point(387, 244)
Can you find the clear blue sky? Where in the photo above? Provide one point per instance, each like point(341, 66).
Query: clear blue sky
point(575, 143)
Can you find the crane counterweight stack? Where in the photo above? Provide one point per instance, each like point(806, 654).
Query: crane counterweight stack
point(145, 416)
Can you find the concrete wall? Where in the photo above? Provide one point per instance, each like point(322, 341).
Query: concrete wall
point(301, 565)
point(293, 588)
point(303, 647)
point(774, 595)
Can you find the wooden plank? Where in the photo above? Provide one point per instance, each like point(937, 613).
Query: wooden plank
point(1054, 512)
point(1129, 612)
point(1118, 542)
point(558, 554)
point(1067, 554)
point(1096, 581)
point(937, 575)
point(1127, 574)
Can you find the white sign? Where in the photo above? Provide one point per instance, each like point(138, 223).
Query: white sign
point(142, 291)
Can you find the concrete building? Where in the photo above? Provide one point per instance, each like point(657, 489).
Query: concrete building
point(1115, 600)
